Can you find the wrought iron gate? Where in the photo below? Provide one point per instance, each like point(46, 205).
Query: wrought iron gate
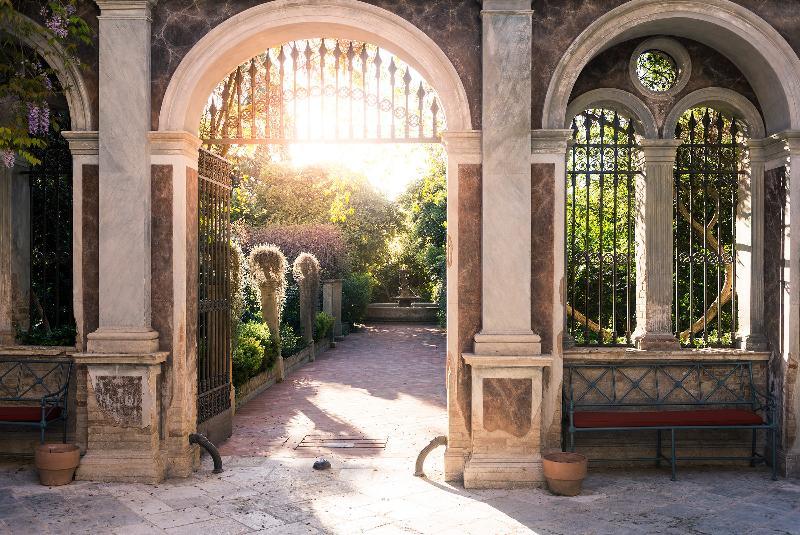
point(213, 322)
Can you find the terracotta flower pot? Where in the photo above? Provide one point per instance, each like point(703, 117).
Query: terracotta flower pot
point(564, 472)
point(56, 463)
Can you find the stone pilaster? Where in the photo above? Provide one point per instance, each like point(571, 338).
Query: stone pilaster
point(7, 331)
point(332, 303)
point(654, 246)
point(15, 251)
point(124, 157)
point(506, 146)
point(750, 250)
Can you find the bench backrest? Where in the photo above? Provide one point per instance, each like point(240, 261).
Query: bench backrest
point(662, 384)
point(30, 380)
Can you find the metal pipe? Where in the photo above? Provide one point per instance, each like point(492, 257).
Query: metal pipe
point(436, 442)
point(202, 441)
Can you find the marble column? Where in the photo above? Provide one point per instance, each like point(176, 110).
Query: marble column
point(750, 251)
point(654, 246)
point(7, 334)
point(790, 442)
point(15, 252)
point(506, 147)
point(124, 122)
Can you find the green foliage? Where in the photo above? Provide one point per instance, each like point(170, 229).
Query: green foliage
point(27, 82)
point(356, 295)
point(291, 342)
point(323, 323)
point(247, 359)
point(656, 70)
point(260, 331)
point(63, 335)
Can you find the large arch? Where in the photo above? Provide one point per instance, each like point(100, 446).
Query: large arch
point(254, 30)
point(755, 47)
point(68, 74)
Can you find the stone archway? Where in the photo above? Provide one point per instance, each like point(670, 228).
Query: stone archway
point(175, 145)
point(755, 47)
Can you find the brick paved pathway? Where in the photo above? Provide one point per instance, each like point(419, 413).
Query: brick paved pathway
point(386, 382)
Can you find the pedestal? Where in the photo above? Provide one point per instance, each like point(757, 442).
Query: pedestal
point(506, 421)
point(123, 417)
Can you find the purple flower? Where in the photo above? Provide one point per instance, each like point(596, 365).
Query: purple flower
point(8, 158)
point(58, 26)
point(38, 119)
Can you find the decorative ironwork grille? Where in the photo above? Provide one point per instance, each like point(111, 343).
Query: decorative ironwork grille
point(213, 325)
point(602, 166)
point(707, 173)
point(322, 90)
point(51, 234)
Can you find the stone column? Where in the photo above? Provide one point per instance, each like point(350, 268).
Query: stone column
point(506, 373)
point(750, 251)
point(15, 251)
point(790, 441)
point(124, 123)
point(123, 364)
point(7, 331)
point(332, 303)
point(654, 245)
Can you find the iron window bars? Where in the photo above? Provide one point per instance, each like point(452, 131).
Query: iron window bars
point(707, 174)
point(602, 168)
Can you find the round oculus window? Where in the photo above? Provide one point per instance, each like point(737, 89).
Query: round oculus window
point(656, 70)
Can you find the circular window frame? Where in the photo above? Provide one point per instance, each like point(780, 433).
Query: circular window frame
point(670, 47)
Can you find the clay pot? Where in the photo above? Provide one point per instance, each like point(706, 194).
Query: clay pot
point(56, 463)
point(564, 472)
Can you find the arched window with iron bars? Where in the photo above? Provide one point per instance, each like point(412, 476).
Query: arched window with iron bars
point(603, 163)
point(708, 169)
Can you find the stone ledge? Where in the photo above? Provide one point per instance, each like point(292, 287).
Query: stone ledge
point(35, 351)
point(625, 354)
point(102, 359)
point(508, 361)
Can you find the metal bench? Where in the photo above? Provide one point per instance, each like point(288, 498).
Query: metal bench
point(34, 393)
point(668, 396)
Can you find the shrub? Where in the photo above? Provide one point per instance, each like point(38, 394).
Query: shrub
point(259, 331)
point(247, 359)
point(325, 242)
point(356, 295)
point(238, 278)
point(323, 323)
point(291, 343)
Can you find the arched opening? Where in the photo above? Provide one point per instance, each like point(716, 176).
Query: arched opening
point(250, 33)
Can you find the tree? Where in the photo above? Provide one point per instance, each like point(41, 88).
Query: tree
point(27, 82)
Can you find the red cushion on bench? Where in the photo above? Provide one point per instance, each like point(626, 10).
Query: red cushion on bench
point(27, 414)
point(699, 417)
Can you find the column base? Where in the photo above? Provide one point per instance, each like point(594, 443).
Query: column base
point(507, 344)
point(184, 462)
point(124, 466)
point(788, 463)
point(454, 461)
point(753, 342)
point(489, 472)
point(114, 340)
point(658, 341)
point(8, 338)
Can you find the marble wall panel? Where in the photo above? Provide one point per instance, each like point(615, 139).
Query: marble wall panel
point(507, 405)
point(469, 277)
point(161, 254)
point(91, 245)
point(542, 252)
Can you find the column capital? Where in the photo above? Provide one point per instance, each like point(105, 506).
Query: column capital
point(126, 9)
point(506, 7)
point(465, 145)
point(82, 143)
point(174, 143)
point(660, 150)
point(550, 141)
point(792, 140)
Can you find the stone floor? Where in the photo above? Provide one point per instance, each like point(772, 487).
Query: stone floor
point(385, 382)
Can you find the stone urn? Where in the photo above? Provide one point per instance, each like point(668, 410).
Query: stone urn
point(564, 472)
point(56, 463)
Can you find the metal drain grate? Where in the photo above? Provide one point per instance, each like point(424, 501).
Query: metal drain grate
point(317, 441)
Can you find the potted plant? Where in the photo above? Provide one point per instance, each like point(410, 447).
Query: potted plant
point(56, 463)
point(564, 472)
